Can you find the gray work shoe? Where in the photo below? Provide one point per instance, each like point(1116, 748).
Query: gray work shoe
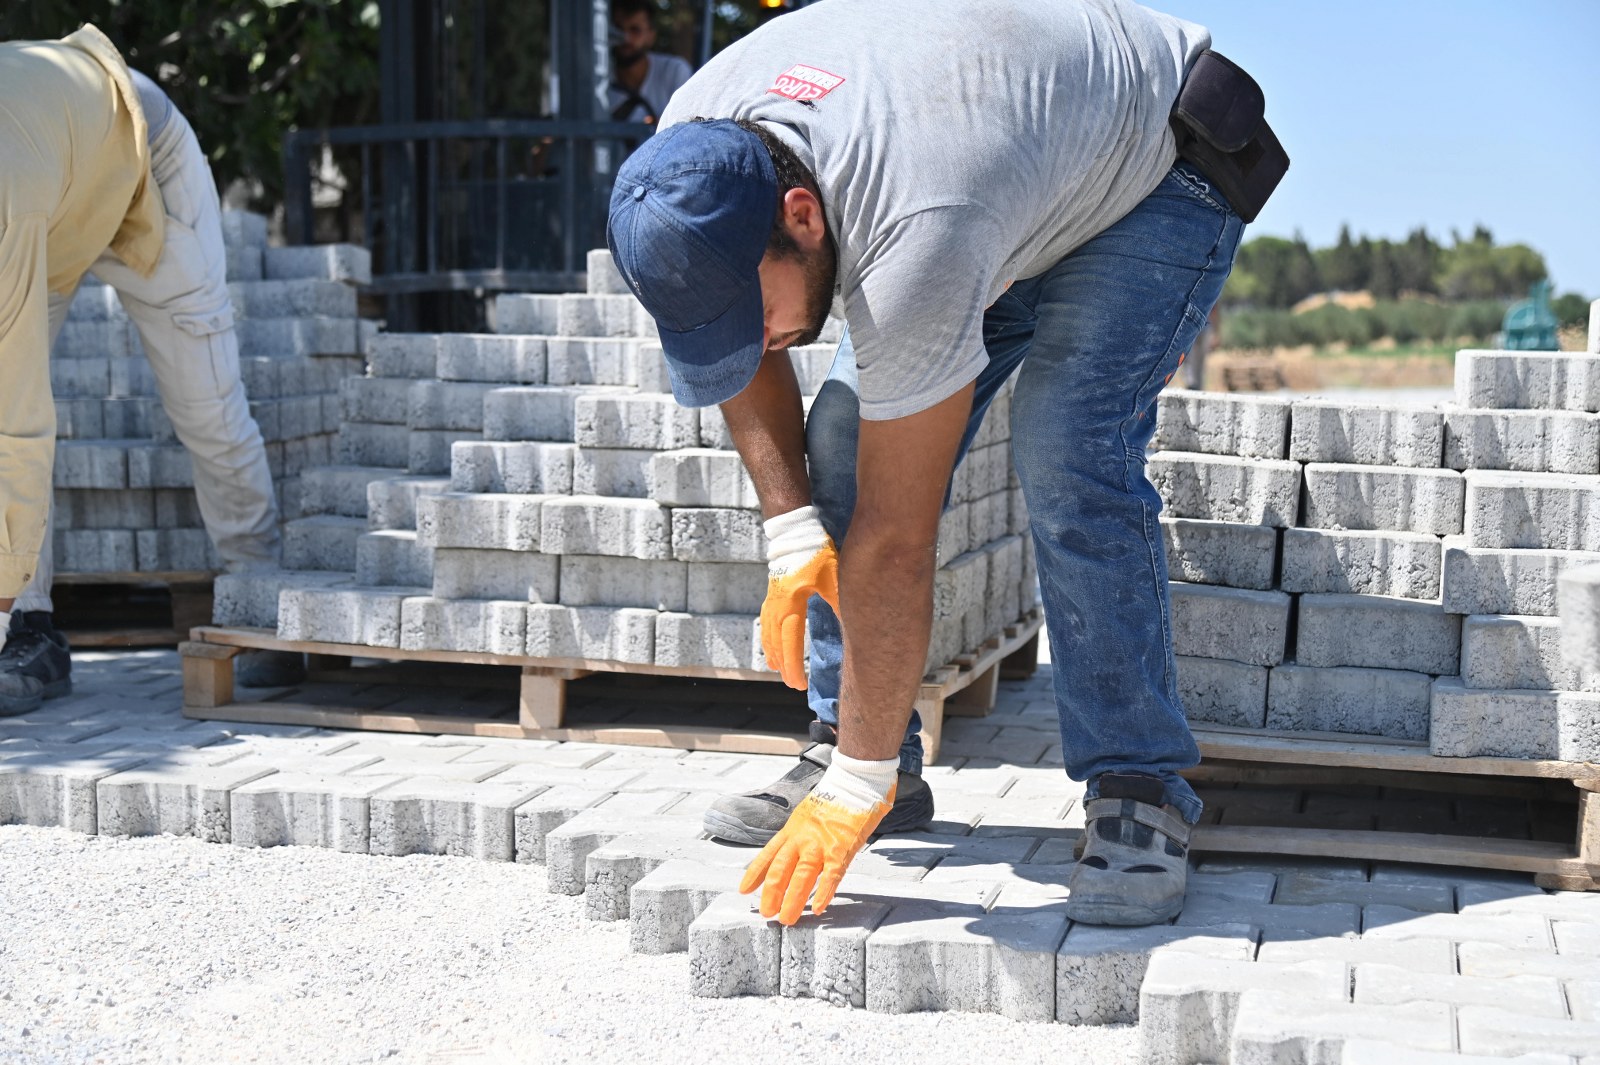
point(35, 665)
point(269, 669)
point(1135, 860)
point(756, 816)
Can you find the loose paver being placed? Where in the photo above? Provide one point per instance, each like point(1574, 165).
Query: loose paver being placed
point(420, 900)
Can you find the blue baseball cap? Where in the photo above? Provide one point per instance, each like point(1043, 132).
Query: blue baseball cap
point(690, 215)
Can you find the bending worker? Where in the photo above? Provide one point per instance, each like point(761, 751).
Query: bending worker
point(999, 191)
point(105, 175)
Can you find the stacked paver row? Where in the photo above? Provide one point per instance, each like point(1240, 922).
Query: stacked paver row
point(538, 491)
point(124, 486)
point(1392, 570)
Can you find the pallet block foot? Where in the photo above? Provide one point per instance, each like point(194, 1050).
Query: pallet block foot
point(542, 701)
point(207, 674)
point(1023, 662)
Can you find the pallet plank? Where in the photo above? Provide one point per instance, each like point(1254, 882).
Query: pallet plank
point(1520, 855)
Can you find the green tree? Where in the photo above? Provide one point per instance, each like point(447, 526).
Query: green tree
point(1571, 309)
point(1343, 266)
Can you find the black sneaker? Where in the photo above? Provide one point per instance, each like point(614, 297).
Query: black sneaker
point(756, 816)
point(35, 664)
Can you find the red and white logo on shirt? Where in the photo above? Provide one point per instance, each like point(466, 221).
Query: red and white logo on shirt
point(804, 83)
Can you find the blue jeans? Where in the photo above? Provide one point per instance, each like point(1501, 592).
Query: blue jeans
point(1097, 336)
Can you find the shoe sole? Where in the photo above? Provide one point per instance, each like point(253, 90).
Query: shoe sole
point(732, 830)
point(1120, 914)
point(11, 706)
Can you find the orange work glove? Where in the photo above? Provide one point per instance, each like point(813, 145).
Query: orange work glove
point(821, 837)
point(801, 562)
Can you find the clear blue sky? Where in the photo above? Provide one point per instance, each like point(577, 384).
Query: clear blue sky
point(1426, 112)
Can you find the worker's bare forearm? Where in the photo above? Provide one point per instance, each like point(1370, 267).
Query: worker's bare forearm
point(886, 596)
point(767, 423)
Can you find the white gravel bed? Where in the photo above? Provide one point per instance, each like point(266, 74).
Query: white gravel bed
point(126, 951)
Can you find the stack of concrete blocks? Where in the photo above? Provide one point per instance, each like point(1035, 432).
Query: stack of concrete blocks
point(537, 491)
point(1391, 570)
point(124, 487)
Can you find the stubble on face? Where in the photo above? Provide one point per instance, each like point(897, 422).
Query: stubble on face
point(821, 276)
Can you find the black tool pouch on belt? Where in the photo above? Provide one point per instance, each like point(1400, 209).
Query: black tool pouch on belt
point(1221, 126)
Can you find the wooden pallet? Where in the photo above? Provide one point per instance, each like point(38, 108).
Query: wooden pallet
point(966, 686)
point(131, 609)
point(1327, 759)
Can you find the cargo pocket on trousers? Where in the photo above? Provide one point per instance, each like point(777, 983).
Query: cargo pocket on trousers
point(210, 366)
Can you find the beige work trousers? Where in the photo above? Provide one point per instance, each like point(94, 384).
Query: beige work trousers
point(185, 321)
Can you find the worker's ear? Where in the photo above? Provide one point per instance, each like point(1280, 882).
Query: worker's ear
point(802, 213)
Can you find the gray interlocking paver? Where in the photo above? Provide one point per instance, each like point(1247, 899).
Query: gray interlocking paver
point(611, 871)
point(733, 950)
point(1418, 955)
point(306, 810)
point(1519, 931)
point(1099, 970)
point(1539, 996)
point(1383, 1052)
point(1302, 888)
point(1273, 1026)
point(433, 815)
point(1187, 1010)
point(1502, 1032)
point(666, 900)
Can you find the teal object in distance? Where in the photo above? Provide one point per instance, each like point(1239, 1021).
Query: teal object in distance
point(1530, 324)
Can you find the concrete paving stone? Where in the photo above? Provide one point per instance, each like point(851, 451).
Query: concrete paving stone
point(495, 522)
point(1243, 886)
point(1516, 931)
point(1409, 873)
point(666, 900)
point(519, 468)
point(486, 626)
point(1368, 434)
point(96, 551)
point(304, 809)
point(1225, 488)
point(549, 810)
point(1530, 441)
point(1340, 496)
point(1362, 562)
point(115, 338)
point(339, 489)
point(701, 477)
point(1377, 632)
point(1557, 511)
point(638, 421)
point(446, 404)
point(160, 466)
point(1482, 958)
point(478, 573)
point(611, 472)
point(647, 371)
point(567, 845)
point(1371, 702)
point(715, 534)
point(302, 336)
point(1308, 888)
point(1501, 1033)
point(95, 508)
point(1583, 997)
point(955, 532)
point(404, 355)
point(1187, 1010)
point(380, 400)
point(86, 377)
point(1276, 920)
point(91, 463)
point(244, 229)
point(1244, 626)
point(534, 412)
point(392, 501)
point(487, 357)
point(1378, 984)
point(293, 298)
point(328, 262)
point(361, 444)
point(1515, 581)
point(734, 951)
point(1575, 937)
point(428, 450)
point(165, 550)
point(1579, 600)
point(1417, 955)
point(592, 360)
point(1222, 692)
point(471, 819)
point(568, 314)
point(132, 377)
point(369, 617)
point(169, 735)
point(172, 797)
point(909, 856)
point(826, 957)
point(1467, 722)
point(1219, 552)
point(56, 787)
point(725, 587)
point(55, 731)
point(593, 525)
point(1099, 970)
point(1221, 424)
point(601, 274)
point(616, 634)
point(393, 558)
point(1525, 897)
point(611, 871)
point(722, 640)
point(1526, 380)
point(1383, 1052)
point(943, 956)
point(250, 598)
point(1499, 651)
point(1273, 1026)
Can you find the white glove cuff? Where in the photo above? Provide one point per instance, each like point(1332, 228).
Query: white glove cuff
point(798, 533)
point(857, 783)
point(5, 627)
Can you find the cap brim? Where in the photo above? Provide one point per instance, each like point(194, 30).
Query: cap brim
point(713, 363)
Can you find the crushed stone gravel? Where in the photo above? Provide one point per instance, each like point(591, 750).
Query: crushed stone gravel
point(126, 951)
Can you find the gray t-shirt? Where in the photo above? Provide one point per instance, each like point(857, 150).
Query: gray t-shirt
point(665, 76)
point(959, 146)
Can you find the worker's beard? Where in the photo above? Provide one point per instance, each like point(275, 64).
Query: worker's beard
point(821, 270)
